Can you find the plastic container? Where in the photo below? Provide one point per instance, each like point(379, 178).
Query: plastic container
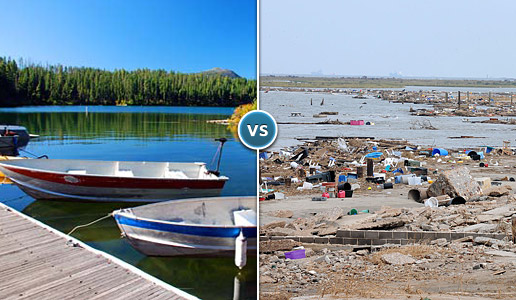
point(296, 254)
point(341, 194)
point(432, 202)
point(414, 181)
point(326, 195)
point(331, 191)
point(343, 178)
point(349, 193)
point(440, 151)
point(279, 196)
point(405, 178)
point(307, 186)
point(344, 186)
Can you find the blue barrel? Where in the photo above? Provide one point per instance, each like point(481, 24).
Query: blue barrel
point(440, 151)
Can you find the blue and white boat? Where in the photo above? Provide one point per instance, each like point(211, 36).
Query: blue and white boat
point(202, 226)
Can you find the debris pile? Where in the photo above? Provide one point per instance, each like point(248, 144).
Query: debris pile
point(327, 165)
point(386, 270)
point(452, 193)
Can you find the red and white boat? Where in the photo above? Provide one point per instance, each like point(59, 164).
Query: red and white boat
point(112, 181)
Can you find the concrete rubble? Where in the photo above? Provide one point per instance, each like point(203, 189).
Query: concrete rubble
point(441, 192)
point(379, 272)
point(455, 183)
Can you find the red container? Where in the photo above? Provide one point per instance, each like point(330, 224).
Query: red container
point(342, 194)
point(326, 195)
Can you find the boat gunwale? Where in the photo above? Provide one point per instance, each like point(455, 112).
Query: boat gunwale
point(7, 166)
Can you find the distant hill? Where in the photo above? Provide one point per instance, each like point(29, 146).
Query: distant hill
point(221, 72)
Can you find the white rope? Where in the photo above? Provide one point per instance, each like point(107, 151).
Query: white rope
point(91, 223)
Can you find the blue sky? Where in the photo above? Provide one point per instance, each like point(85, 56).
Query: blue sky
point(185, 36)
point(437, 38)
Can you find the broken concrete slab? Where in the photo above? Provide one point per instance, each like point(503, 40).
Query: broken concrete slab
point(331, 215)
point(501, 253)
point(481, 240)
point(277, 245)
point(488, 218)
point(273, 225)
point(384, 224)
point(481, 228)
point(457, 182)
point(279, 231)
point(497, 191)
point(502, 211)
point(329, 230)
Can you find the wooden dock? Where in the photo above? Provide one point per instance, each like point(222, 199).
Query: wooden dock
point(39, 262)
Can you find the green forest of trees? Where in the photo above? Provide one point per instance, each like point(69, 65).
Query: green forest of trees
point(57, 85)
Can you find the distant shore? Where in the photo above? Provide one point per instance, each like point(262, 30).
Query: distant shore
point(375, 82)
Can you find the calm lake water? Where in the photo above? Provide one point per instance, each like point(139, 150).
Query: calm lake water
point(392, 121)
point(138, 134)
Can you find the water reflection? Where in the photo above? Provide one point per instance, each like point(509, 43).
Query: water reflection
point(157, 134)
point(62, 126)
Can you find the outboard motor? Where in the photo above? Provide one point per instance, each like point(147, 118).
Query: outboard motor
point(217, 171)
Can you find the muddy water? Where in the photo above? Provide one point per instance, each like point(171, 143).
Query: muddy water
point(391, 120)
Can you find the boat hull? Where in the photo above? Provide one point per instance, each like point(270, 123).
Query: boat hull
point(56, 186)
point(162, 238)
point(203, 247)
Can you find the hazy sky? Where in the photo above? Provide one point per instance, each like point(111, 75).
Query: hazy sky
point(185, 36)
point(376, 38)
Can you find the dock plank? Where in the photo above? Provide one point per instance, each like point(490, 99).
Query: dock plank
point(37, 262)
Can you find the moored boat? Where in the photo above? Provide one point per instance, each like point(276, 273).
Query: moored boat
point(12, 139)
point(112, 181)
point(202, 226)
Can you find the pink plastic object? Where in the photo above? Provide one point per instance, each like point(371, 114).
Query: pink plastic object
point(356, 122)
point(342, 194)
point(326, 194)
point(296, 254)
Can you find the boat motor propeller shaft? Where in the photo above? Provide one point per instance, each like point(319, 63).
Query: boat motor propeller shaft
point(222, 141)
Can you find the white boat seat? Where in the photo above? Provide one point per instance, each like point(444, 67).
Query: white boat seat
point(76, 172)
point(124, 173)
point(176, 174)
point(245, 217)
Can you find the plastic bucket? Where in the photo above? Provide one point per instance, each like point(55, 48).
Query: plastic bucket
point(349, 193)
